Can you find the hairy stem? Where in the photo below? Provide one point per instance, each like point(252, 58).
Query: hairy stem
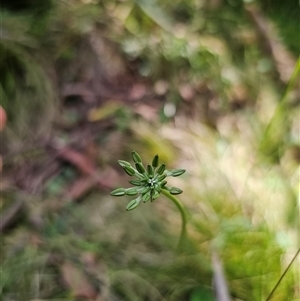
point(180, 207)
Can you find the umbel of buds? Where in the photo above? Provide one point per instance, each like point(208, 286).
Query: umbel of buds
point(148, 181)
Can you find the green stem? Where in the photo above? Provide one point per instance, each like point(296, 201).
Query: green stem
point(282, 101)
point(292, 81)
point(182, 212)
point(280, 279)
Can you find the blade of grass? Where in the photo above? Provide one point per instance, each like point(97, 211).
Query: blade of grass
point(282, 276)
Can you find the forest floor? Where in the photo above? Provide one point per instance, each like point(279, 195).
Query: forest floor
point(212, 88)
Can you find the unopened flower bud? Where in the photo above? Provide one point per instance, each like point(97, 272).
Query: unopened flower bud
point(136, 157)
point(175, 191)
point(140, 168)
point(118, 192)
point(155, 161)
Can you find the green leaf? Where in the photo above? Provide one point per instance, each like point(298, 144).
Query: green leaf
point(156, 13)
point(118, 192)
point(155, 161)
point(175, 191)
point(133, 204)
point(104, 111)
point(136, 157)
point(201, 294)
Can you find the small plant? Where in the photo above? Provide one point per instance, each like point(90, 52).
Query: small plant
point(149, 183)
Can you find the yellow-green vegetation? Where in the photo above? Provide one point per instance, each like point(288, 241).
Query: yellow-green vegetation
point(188, 80)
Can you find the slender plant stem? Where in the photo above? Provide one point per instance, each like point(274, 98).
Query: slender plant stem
point(282, 100)
point(280, 279)
point(180, 207)
point(292, 81)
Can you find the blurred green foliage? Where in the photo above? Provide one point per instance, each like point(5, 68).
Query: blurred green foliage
point(206, 57)
point(286, 17)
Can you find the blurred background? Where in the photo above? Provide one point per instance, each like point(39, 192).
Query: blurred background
point(211, 86)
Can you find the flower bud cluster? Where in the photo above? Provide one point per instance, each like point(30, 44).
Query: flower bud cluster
point(148, 182)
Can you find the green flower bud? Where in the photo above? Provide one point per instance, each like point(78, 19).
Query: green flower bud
point(133, 204)
point(136, 182)
point(161, 169)
point(131, 191)
point(151, 195)
point(157, 188)
point(124, 163)
point(175, 190)
point(129, 170)
point(136, 157)
point(175, 172)
point(144, 182)
point(163, 183)
point(148, 182)
point(155, 195)
point(161, 177)
point(150, 170)
point(166, 188)
point(145, 190)
point(146, 197)
point(140, 168)
point(118, 192)
point(155, 161)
